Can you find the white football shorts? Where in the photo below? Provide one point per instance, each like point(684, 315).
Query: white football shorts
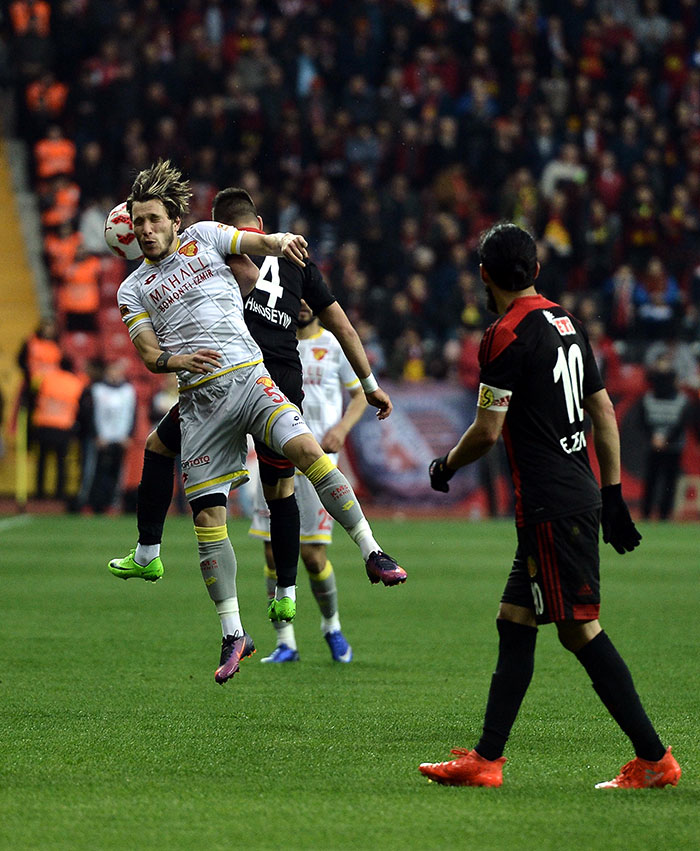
point(215, 418)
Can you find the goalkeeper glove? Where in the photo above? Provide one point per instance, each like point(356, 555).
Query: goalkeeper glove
point(618, 527)
point(440, 474)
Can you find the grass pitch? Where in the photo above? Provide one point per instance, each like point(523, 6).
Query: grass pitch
point(114, 735)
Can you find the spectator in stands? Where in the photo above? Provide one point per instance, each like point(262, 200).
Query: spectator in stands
point(79, 293)
point(38, 355)
point(114, 416)
point(54, 154)
point(658, 303)
point(665, 418)
point(53, 421)
point(85, 432)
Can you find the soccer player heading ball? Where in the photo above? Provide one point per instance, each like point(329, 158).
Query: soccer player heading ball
point(538, 380)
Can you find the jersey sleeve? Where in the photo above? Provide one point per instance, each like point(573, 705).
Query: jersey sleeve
point(226, 239)
point(315, 291)
point(133, 313)
point(500, 358)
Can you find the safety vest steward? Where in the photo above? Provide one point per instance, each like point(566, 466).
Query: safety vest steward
point(54, 156)
point(42, 357)
point(57, 400)
point(23, 11)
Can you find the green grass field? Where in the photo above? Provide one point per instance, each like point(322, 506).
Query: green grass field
point(113, 734)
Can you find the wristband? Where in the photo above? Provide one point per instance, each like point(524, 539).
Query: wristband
point(369, 384)
point(162, 361)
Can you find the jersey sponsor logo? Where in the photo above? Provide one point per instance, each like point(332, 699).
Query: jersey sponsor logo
point(319, 354)
point(149, 280)
point(178, 283)
point(123, 310)
point(222, 227)
point(265, 380)
point(562, 323)
point(493, 397)
point(190, 249)
point(196, 462)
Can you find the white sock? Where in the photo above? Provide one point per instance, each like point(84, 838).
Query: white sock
point(146, 553)
point(230, 617)
point(331, 624)
point(285, 634)
point(363, 537)
point(286, 591)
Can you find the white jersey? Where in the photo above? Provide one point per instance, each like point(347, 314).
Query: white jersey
point(114, 410)
point(192, 301)
point(326, 372)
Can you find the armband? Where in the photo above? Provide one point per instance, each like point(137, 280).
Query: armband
point(369, 384)
point(162, 361)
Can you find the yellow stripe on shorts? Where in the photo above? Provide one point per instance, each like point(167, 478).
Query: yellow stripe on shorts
point(273, 416)
point(229, 477)
point(218, 374)
point(210, 534)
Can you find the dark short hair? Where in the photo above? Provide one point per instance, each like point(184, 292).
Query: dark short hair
point(509, 255)
point(231, 205)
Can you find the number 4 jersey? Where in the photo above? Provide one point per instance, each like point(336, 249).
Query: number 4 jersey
point(537, 367)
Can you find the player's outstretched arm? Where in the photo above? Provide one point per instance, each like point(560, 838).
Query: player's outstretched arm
point(156, 359)
point(336, 321)
point(290, 245)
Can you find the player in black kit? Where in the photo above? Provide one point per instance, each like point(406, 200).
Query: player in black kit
point(538, 379)
point(272, 306)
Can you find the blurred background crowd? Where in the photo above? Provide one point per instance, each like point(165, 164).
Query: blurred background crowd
point(390, 134)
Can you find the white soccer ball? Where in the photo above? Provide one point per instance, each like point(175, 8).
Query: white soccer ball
point(119, 234)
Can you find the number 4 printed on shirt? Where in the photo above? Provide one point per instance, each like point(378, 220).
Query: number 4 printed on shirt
point(269, 280)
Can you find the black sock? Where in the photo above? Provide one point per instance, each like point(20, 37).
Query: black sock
point(516, 662)
point(154, 496)
point(612, 681)
point(284, 538)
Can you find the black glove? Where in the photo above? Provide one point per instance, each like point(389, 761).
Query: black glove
point(618, 527)
point(440, 474)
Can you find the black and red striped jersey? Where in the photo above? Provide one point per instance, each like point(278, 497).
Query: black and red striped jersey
point(536, 361)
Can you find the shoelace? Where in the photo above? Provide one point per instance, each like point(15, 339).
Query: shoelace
point(228, 645)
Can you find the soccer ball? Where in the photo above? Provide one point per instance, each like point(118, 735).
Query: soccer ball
point(119, 234)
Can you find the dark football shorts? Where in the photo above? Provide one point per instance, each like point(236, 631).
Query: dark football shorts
point(556, 569)
point(272, 465)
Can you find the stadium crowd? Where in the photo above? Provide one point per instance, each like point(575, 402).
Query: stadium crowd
point(390, 134)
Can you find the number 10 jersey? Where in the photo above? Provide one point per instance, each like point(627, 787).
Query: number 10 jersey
point(537, 366)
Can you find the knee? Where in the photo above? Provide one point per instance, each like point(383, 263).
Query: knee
point(574, 635)
point(155, 444)
point(314, 558)
point(302, 451)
